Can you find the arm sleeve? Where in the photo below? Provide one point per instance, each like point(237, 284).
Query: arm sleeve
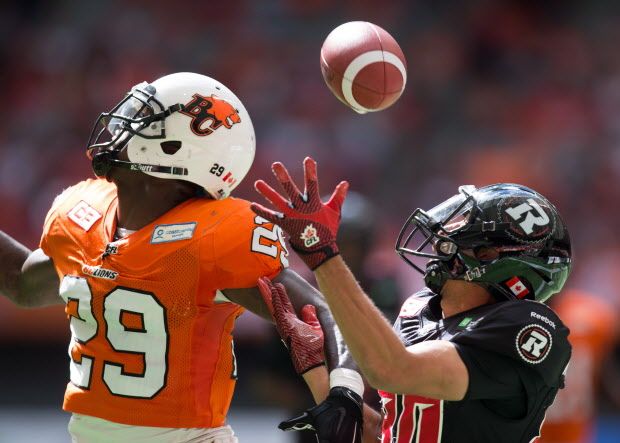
point(245, 248)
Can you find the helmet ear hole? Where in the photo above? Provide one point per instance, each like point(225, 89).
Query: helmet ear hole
point(171, 147)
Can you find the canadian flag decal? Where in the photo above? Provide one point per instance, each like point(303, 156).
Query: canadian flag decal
point(517, 287)
point(229, 179)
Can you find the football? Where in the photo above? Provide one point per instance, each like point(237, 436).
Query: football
point(363, 66)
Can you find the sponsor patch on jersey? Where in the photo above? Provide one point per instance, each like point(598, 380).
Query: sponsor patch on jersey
point(99, 272)
point(533, 343)
point(170, 233)
point(83, 215)
point(465, 322)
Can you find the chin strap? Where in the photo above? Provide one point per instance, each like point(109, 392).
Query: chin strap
point(438, 272)
point(103, 161)
point(435, 276)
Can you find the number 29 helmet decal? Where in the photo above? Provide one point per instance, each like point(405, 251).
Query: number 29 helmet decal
point(183, 126)
point(531, 251)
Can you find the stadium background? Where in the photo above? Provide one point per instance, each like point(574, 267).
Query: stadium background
point(527, 92)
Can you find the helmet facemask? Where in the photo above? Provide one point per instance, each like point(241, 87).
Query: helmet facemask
point(138, 114)
point(451, 234)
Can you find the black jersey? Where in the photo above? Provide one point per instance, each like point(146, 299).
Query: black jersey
point(515, 352)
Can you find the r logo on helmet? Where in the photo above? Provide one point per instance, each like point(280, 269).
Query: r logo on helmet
point(529, 220)
point(534, 343)
point(209, 113)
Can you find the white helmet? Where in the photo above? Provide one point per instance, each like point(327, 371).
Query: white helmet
point(183, 126)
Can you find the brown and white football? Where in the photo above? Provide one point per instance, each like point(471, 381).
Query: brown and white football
point(363, 66)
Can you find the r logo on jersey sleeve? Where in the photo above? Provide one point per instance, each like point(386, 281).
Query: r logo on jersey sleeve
point(533, 343)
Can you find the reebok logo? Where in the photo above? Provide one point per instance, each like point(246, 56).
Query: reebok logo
point(542, 318)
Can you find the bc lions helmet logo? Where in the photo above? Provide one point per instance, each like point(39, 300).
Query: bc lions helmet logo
point(209, 113)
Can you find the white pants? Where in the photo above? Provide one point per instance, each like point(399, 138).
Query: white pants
point(87, 429)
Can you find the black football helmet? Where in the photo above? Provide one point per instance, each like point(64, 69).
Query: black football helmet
point(532, 244)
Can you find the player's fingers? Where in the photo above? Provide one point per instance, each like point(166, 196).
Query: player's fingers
point(265, 292)
point(280, 304)
point(308, 315)
point(283, 296)
point(267, 214)
point(272, 195)
point(311, 179)
point(279, 313)
point(340, 193)
point(281, 173)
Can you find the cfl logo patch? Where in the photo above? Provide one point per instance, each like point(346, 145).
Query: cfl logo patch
point(533, 343)
point(310, 236)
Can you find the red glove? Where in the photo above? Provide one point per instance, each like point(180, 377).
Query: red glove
point(303, 338)
point(311, 224)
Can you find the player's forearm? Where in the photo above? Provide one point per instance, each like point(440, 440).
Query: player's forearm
point(12, 257)
point(27, 278)
point(337, 353)
point(317, 380)
point(38, 282)
point(370, 338)
point(302, 293)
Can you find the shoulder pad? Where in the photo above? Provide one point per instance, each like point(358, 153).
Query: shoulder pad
point(414, 304)
point(528, 332)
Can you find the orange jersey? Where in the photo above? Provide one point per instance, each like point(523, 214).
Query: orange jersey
point(151, 343)
point(591, 321)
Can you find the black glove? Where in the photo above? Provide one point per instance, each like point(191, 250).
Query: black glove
point(338, 419)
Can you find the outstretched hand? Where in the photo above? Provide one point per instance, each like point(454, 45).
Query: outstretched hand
point(302, 337)
point(312, 225)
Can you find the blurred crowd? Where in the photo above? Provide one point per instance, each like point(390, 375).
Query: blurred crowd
point(497, 91)
point(511, 91)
